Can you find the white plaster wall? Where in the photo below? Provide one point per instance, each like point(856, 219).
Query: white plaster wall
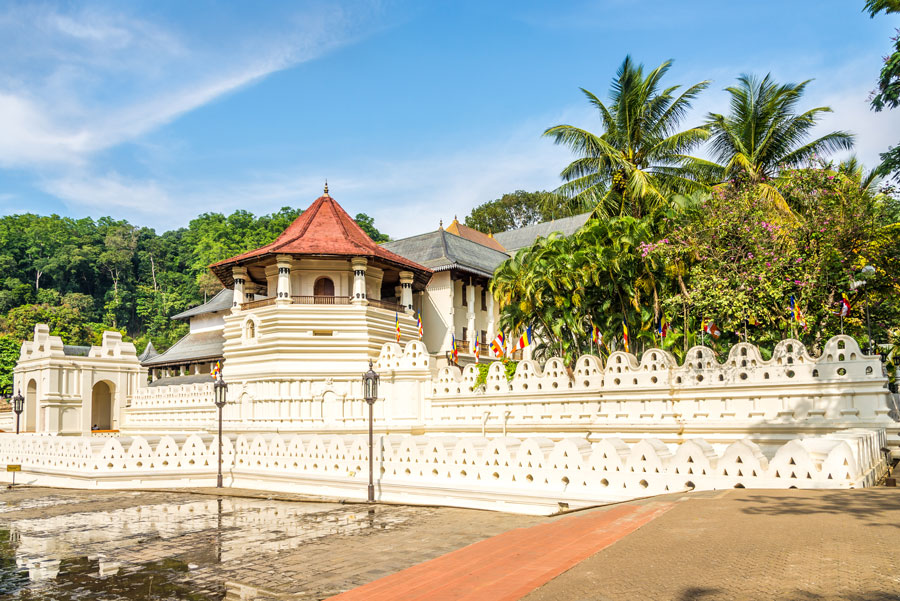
point(532, 475)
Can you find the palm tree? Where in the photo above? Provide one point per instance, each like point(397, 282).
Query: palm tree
point(763, 134)
point(641, 157)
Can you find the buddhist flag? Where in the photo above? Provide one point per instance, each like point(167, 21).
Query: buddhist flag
point(524, 340)
point(454, 351)
point(625, 335)
point(475, 348)
point(712, 329)
point(216, 369)
point(596, 336)
point(498, 346)
point(419, 325)
point(397, 319)
point(845, 306)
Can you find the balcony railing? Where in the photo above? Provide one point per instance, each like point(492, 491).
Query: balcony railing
point(255, 304)
point(321, 300)
point(387, 305)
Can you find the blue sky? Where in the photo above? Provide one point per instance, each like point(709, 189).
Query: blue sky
point(159, 111)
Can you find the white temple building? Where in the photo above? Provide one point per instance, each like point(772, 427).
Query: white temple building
point(298, 321)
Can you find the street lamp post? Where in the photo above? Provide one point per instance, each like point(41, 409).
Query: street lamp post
point(370, 393)
point(18, 403)
point(220, 388)
point(867, 272)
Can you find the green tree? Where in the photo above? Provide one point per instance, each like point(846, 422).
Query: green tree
point(520, 208)
point(888, 92)
point(63, 321)
point(368, 226)
point(764, 134)
point(641, 157)
point(9, 355)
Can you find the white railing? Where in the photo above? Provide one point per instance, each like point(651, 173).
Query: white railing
point(529, 475)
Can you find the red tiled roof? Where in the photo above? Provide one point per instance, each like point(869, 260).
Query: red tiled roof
point(326, 229)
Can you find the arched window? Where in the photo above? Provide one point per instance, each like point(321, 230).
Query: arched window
point(251, 329)
point(323, 287)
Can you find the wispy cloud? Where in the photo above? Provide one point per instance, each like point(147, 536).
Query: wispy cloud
point(78, 82)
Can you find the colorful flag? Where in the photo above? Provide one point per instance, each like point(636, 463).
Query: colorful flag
point(712, 329)
point(397, 318)
point(419, 325)
point(845, 306)
point(596, 336)
point(625, 335)
point(216, 370)
point(498, 346)
point(454, 351)
point(794, 313)
point(475, 349)
point(524, 340)
point(663, 329)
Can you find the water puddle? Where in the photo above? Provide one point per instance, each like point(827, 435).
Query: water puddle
point(196, 549)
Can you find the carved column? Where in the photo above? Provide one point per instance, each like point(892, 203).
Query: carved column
point(490, 317)
point(240, 278)
point(283, 294)
point(471, 332)
point(359, 265)
point(406, 296)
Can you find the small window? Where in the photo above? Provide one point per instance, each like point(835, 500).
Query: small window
point(484, 336)
point(483, 299)
point(465, 332)
point(465, 300)
point(251, 330)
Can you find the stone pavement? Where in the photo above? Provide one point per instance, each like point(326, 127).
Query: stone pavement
point(798, 545)
point(704, 546)
point(505, 567)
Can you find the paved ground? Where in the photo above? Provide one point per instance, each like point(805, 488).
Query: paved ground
point(736, 544)
point(744, 544)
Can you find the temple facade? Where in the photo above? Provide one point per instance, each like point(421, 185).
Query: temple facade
point(297, 323)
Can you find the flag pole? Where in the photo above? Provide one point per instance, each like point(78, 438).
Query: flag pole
point(842, 325)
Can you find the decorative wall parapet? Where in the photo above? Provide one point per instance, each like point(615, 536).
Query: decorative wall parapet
point(842, 384)
point(531, 475)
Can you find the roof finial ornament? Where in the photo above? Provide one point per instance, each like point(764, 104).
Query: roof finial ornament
point(441, 224)
point(326, 187)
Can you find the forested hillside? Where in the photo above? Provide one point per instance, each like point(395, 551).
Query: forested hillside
point(83, 276)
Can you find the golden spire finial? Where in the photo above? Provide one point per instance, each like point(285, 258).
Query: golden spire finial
point(326, 187)
point(441, 224)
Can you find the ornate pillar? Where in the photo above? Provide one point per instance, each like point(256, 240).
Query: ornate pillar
point(283, 294)
point(240, 278)
point(490, 317)
point(406, 296)
point(359, 265)
point(471, 332)
point(451, 324)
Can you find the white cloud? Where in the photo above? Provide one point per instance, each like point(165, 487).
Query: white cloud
point(75, 83)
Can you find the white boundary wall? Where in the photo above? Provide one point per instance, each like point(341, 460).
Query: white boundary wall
point(533, 475)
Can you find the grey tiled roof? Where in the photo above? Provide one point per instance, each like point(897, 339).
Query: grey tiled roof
point(220, 302)
point(177, 380)
point(440, 251)
point(76, 351)
point(193, 347)
point(513, 240)
point(149, 353)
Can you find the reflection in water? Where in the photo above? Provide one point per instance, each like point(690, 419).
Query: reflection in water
point(165, 551)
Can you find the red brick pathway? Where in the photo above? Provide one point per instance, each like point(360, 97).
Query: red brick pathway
point(508, 566)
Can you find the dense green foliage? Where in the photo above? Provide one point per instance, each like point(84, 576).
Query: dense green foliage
point(728, 241)
point(888, 92)
point(82, 276)
point(521, 208)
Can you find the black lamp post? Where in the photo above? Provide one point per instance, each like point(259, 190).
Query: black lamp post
point(867, 272)
point(220, 388)
point(18, 403)
point(370, 393)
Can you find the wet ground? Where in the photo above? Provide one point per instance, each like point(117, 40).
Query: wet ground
point(111, 545)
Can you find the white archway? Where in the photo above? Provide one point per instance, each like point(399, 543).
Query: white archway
point(102, 406)
point(31, 408)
